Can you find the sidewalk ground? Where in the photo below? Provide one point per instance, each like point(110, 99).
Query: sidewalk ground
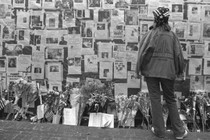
point(14, 130)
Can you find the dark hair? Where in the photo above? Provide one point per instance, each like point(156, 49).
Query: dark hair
point(162, 25)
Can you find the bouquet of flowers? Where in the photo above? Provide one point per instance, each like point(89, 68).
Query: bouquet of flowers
point(126, 109)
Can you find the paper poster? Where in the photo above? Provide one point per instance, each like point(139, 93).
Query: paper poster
point(74, 65)
point(131, 33)
point(5, 8)
point(38, 57)
point(194, 31)
point(194, 12)
point(48, 4)
point(19, 3)
point(196, 82)
point(206, 67)
point(143, 10)
point(207, 83)
point(117, 16)
point(94, 4)
point(87, 28)
point(104, 50)
point(206, 30)
point(38, 71)
point(177, 11)
point(195, 66)
point(152, 5)
point(207, 48)
point(206, 12)
point(120, 89)
point(54, 53)
point(42, 86)
point(81, 4)
point(108, 4)
point(119, 51)
point(180, 28)
point(131, 17)
point(131, 56)
point(196, 49)
point(120, 69)
point(101, 120)
point(12, 77)
point(54, 71)
point(7, 29)
point(117, 31)
point(185, 47)
point(102, 31)
point(87, 46)
point(24, 63)
point(91, 63)
point(68, 18)
point(22, 19)
point(23, 36)
point(74, 81)
point(2, 65)
point(104, 15)
point(122, 4)
point(12, 64)
point(144, 26)
point(52, 20)
point(55, 85)
point(52, 40)
point(106, 70)
point(36, 19)
point(132, 81)
point(75, 46)
point(34, 4)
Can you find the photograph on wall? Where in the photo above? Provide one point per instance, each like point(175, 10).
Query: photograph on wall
point(122, 4)
point(119, 51)
point(106, 70)
point(180, 28)
point(12, 66)
point(120, 69)
point(2, 64)
point(104, 15)
point(12, 49)
point(91, 63)
point(68, 18)
point(74, 65)
point(132, 81)
point(22, 19)
point(120, 89)
point(92, 4)
point(194, 12)
point(194, 31)
point(196, 82)
point(131, 33)
point(54, 71)
point(38, 71)
point(108, 4)
point(24, 63)
point(206, 30)
point(75, 46)
point(7, 29)
point(196, 49)
point(36, 19)
point(144, 26)
point(52, 40)
point(206, 13)
point(35, 4)
point(23, 36)
point(52, 20)
point(87, 28)
point(206, 67)
point(74, 81)
point(117, 31)
point(74, 30)
point(117, 16)
point(132, 47)
point(177, 12)
point(207, 83)
point(19, 3)
point(195, 66)
point(131, 17)
point(54, 53)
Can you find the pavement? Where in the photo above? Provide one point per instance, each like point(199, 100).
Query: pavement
point(18, 130)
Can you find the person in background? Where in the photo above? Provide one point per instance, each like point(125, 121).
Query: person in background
point(160, 61)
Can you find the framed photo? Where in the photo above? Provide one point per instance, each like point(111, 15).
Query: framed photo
point(54, 53)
